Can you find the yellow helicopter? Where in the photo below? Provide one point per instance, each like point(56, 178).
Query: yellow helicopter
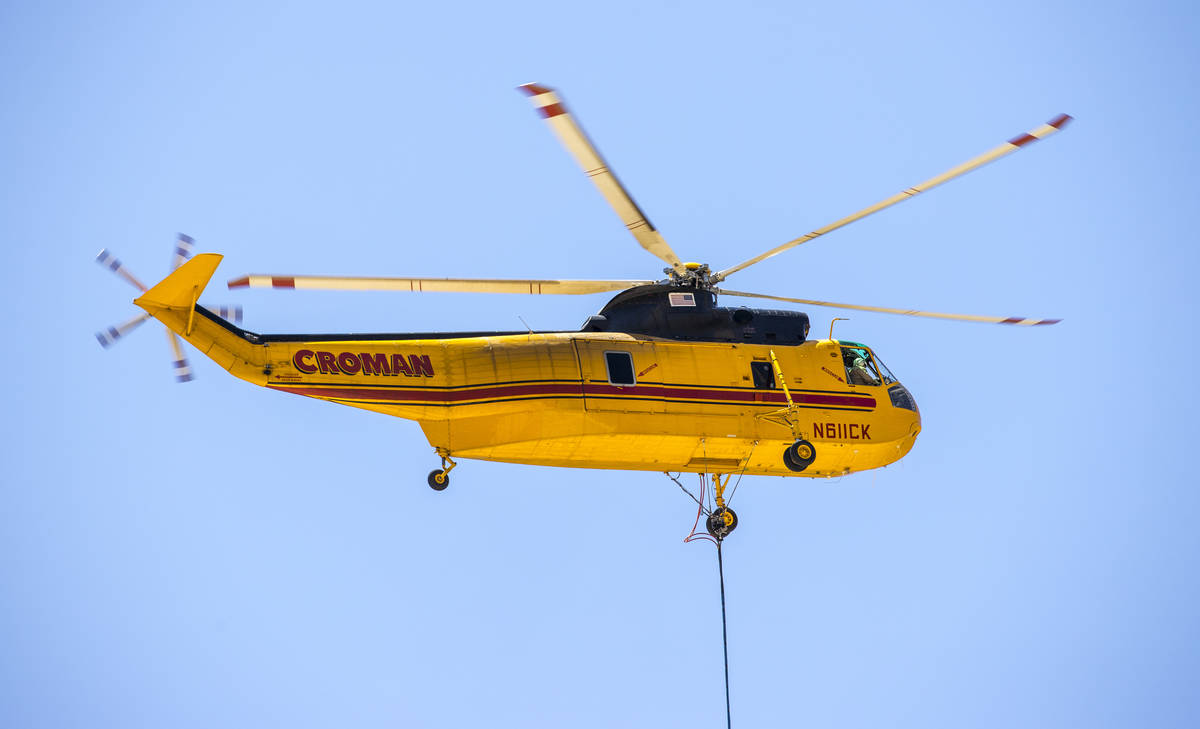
point(661, 379)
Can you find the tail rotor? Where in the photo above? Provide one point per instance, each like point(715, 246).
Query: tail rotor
point(107, 337)
point(229, 313)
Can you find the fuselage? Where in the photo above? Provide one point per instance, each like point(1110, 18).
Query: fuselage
point(656, 381)
point(609, 400)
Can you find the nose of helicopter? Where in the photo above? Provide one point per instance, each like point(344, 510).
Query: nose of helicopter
point(903, 400)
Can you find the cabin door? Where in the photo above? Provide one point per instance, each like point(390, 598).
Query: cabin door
point(619, 376)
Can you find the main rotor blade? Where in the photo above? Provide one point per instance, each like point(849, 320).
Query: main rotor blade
point(183, 370)
point(1008, 147)
point(552, 109)
point(112, 334)
point(109, 261)
point(905, 312)
point(471, 285)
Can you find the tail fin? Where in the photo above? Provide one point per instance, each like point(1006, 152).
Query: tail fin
point(182, 288)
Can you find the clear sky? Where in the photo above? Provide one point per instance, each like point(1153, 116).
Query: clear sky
point(214, 554)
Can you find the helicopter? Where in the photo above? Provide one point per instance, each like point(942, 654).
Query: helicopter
point(661, 379)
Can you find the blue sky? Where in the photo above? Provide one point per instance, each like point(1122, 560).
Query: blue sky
point(213, 554)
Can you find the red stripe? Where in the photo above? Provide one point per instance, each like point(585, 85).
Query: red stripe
point(1048, 321)
point(368, 393)
point(487, 393)
point(732, 396)
point(833, 400)
point(1013, 320)
point(552, 110)
point(239, 283)
point(283, 282)
point(1022, 140)
point(534, 89)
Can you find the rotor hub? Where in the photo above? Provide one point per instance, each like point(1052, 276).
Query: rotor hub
point(693, 275)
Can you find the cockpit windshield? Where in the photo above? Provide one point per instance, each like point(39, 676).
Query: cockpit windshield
point(862, 367)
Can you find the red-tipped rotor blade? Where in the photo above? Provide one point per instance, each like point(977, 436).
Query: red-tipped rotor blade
point(1019, 320)
point(991, 155)
point(551, 107)
point(462, 285)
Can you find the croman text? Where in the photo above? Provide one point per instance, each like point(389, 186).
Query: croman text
point(349, 363)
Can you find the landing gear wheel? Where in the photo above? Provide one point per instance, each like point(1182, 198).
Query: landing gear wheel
point(721, 522)
point(799, 455)
point(438, 480)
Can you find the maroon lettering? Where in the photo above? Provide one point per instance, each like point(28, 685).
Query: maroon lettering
point(399, 365)
point(348, 363)
point(421, 365)
point(842, 431)
point(374, 364)
point(326, 364)
point(298, 361)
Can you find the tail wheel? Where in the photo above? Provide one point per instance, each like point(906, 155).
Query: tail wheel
point(799, 455)
point(721, 522)
point(438, 480)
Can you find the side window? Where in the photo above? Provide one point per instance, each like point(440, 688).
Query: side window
point(763, 374)
point(620, 368)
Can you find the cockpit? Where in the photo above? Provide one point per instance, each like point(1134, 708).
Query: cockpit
point(864, 368)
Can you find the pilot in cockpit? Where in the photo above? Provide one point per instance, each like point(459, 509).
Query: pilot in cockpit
point(859, 374)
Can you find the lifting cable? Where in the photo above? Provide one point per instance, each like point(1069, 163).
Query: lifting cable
point(693, 536)
point(724, 633)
